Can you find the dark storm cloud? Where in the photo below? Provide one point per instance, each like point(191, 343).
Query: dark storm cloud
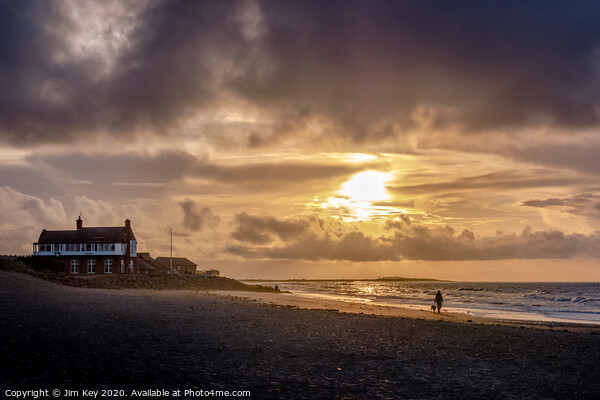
point(581, 156)
point(483, 65)
point(142, 171)
point(197, 217)
point(168, 68)
point(585, 204)
point(269, 172)
point(374, 68)
point(261, 229)
point(444, 244)
point(130, 168)
point(354, 246)
point(412, 242)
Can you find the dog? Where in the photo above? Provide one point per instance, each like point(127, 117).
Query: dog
point(433, 308)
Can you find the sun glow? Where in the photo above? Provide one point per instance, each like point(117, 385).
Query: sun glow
point(361, 157)
point(367, 186)
point(358, 199)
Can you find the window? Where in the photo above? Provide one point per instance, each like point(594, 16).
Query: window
point(88, 247)
point(122, 266)
point(91, 266)
point(74, 266)
point(73, 247)
point(108, 266)
point(131, 266)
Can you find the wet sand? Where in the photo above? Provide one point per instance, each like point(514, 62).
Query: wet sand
point(61, 337)
point(357, 307)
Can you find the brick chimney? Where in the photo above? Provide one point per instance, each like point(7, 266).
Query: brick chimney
point(79, 223)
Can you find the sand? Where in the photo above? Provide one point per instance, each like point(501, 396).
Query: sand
point(57, 337)
point(356, 307)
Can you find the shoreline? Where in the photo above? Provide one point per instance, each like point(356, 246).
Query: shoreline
point(291, 300)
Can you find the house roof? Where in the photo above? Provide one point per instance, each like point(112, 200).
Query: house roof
point(145, 261)
point(165, 262)
point(87, 235)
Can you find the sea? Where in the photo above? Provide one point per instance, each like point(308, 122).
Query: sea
point(531, 301)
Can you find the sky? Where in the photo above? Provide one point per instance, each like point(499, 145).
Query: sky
point(309, 139)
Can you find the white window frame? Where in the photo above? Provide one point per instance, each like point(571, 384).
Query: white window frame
point(74, 266)
point(108, 266)
point(91, 265)
point(131, 266)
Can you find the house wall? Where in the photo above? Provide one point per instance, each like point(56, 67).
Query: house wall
point(100, 265)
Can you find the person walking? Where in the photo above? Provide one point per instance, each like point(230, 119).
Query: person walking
point(439, 300)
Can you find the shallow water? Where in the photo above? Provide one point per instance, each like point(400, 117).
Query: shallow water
point(535, 301)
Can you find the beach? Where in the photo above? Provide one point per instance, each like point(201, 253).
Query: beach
point(278, 346)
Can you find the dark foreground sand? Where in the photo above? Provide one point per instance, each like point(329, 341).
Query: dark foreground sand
point(56, 337)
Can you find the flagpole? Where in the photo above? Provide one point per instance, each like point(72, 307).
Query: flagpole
point(171, 264)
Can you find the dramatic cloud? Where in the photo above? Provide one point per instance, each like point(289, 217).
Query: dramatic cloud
point(58, 88)
point(21, 216)
point(585, 204)
point(143, 172)
point(354, 246)
point(421, 243)
point(379, 67)
point(259, 230)
point(267, 173)
point(501, 180)
point(196, 219)
point(133, 168)
point(579, 156)
point(362, 70)
point(409, 242)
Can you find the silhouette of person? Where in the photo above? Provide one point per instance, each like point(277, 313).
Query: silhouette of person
point(439, 300)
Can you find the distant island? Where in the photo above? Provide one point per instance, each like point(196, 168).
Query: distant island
point(381, 279)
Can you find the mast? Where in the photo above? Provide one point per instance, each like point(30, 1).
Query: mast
point(171, 264)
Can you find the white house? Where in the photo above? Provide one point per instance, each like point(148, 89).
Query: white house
point(89, 251)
